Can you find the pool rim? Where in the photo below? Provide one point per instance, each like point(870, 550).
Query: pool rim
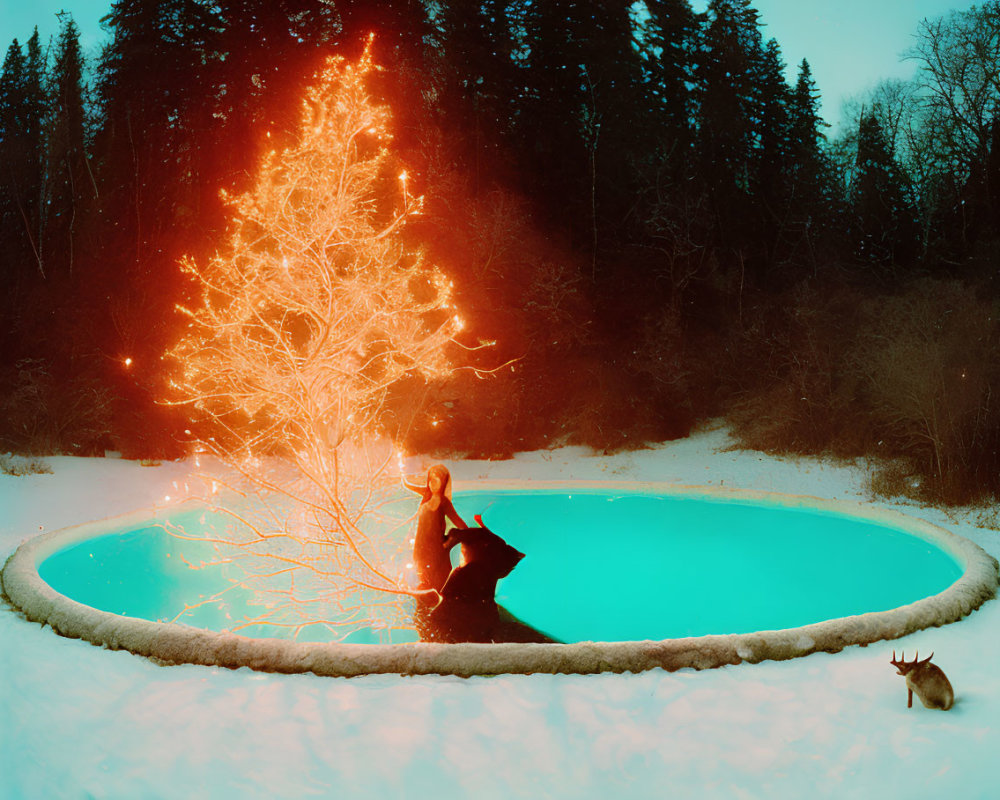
point(175, 643)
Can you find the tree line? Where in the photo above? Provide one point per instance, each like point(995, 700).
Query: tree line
point(636, 205)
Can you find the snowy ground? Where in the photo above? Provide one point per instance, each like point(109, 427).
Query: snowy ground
point(79, 721)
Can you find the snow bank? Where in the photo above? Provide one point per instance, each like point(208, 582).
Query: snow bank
point(173, 643)
point(77, 721)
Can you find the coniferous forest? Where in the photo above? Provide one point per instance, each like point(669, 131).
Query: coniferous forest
point(647, 219)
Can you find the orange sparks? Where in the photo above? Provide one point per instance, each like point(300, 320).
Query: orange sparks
point(314, 310)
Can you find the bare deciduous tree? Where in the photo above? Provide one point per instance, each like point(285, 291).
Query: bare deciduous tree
point(313, 310)
point(959, 60)
point(925, 360)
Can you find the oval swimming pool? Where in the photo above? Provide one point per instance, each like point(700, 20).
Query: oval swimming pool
point(627, 567)
point(620, 570)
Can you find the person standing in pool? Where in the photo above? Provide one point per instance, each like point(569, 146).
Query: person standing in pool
point(459, 605)
point(430, 550)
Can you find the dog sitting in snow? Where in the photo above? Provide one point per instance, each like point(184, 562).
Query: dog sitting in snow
point(467, 611)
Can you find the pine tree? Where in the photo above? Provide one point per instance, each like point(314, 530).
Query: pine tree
point(480, 80)
point(35, 111)
point(668, 38)
point(21, 113)
point(670, 204)
point(806, 124)
point(884, 219)
point(156, 98)
point(70, 189)
point(582, 85)
point(12, 101)
point(17, 259)
point(24, 292)
point(732, 44)
point(551, 125)
point(623, 129)
point(815, 207)
point(773, 133)
point(158, 123)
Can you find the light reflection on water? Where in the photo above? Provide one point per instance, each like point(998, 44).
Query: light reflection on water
point(599, 566)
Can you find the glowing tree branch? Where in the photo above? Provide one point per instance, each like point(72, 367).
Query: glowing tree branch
point(311, 313)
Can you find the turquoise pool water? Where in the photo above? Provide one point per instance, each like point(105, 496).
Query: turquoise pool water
point(600, 566)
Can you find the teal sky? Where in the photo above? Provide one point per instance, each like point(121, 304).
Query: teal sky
point(18, 19)
point(850, 44)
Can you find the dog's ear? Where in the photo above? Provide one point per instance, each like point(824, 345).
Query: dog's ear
point(500, 556)
point(505, 559)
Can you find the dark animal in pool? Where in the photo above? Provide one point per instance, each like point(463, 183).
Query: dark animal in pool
point(467, 611)
point(926, 680)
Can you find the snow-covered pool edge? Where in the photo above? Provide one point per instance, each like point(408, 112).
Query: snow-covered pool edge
point(174, 643)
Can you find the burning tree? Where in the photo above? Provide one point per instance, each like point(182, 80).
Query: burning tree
point(311, 314)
